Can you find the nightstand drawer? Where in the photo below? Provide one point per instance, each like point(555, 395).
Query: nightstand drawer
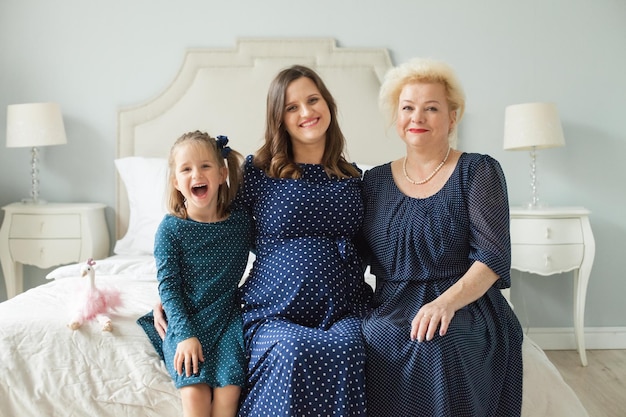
point(546, 231)
point(546, 259)
point(44, 226)
point(45, 253)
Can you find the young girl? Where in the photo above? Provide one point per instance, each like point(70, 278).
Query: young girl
point(201, 249)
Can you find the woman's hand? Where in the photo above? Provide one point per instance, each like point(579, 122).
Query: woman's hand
point(439, 312)
point(189, 354)
point(428, 318)
point(160, 321)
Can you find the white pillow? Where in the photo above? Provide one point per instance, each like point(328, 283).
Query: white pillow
point(145, 180)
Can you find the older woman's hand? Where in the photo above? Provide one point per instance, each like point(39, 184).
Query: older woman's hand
point(428, 318)
point(160, 321)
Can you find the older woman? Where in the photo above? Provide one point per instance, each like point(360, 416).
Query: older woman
point(441, 340)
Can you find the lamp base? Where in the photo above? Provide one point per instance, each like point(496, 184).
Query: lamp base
point(34, 200)
point(534, 203)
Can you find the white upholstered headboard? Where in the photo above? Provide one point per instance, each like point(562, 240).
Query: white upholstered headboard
point(223, 92)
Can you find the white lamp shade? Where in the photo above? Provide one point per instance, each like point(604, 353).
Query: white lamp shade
point(35, 124)
point(532, 125)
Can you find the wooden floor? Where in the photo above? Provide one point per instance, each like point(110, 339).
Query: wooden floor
point(601, 385)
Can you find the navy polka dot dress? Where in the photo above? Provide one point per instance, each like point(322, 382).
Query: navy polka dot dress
point(199, 266)
point(420, 247)
point(305, 297)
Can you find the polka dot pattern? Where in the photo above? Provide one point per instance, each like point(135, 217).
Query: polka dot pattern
point(199, 267)
point(421, 247)
point(304, 297)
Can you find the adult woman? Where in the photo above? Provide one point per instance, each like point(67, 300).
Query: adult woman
point(442, 340)
point(305, 295)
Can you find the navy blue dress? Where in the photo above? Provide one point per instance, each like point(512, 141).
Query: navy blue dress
point(305, 297)
point(419, 248)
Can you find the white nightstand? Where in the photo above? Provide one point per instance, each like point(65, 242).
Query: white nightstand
point(47, 235)
point(553, 240)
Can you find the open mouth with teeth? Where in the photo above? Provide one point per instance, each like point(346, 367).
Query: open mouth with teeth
point(309, 123)
point(199, 190)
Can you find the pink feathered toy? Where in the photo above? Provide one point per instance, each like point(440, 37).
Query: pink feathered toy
point(94, 302)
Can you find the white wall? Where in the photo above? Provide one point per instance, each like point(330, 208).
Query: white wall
point(94, 57)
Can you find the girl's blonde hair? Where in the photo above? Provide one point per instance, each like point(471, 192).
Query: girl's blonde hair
point(275, 156)
point(421, 70)
point(224, 156)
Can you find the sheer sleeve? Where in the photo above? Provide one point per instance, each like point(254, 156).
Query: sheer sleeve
point(488, 207)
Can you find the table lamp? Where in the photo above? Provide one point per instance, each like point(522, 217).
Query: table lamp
point(532, 126)
point(34, 125)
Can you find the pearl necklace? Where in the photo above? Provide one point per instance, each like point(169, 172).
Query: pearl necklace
point(428, 178)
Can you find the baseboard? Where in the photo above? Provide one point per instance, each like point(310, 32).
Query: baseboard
point(562, 338)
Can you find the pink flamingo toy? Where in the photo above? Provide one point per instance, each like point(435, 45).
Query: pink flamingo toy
point(94, 302)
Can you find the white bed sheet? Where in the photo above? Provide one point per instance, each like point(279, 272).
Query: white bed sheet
point(49, 370)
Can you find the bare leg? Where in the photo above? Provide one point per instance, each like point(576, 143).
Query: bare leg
point(226, 401)
point(196, 400)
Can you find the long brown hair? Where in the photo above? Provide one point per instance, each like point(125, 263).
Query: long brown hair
point(225, 157)
point(275, 156)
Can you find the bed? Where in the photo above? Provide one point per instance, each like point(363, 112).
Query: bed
point(48, 369)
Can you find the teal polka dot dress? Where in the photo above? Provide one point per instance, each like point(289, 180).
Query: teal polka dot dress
point(199, 267)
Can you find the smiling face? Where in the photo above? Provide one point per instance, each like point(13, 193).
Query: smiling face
point(198, 177)
point(306, 117)
point(424, 117)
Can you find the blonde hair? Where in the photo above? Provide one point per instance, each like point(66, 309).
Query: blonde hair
point(224, 156)
point(275, 156)
point(421, 70)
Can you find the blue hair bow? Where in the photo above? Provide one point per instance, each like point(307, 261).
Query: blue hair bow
point(221, 142)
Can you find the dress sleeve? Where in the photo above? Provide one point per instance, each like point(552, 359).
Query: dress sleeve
point(359, 240)
point(247, 192)
point(168, 254)
point(488, 208)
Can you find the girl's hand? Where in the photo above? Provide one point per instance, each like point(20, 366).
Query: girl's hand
point(160, 322)
point(189, 354)
point(428, 318)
